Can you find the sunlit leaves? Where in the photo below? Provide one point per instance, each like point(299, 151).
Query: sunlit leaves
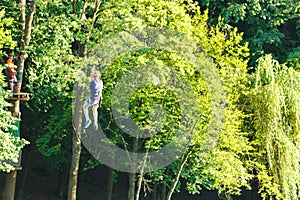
point(275, 103)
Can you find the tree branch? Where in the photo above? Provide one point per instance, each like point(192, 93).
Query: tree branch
point(95, 11)
point(83, 11)
point(183, 161)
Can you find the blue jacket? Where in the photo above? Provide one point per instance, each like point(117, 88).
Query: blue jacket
point(96, 88)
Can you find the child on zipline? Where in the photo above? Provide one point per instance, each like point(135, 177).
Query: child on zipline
point(96, 86)
point(12, 73)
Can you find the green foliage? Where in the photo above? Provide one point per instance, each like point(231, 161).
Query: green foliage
point(224, 168)
point(54, 142)
point(274, 103)
point(259, 138)
point(293, 59)
point(5, 34)
point(231, 58)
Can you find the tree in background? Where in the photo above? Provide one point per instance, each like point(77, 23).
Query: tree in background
point(269, 26)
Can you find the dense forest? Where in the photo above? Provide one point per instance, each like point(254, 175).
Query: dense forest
point(199, 97)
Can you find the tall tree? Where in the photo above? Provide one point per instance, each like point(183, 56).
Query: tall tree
point(274, 103)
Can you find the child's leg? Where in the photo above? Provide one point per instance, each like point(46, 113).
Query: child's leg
point(95, 116)
point(86, 114)
point(15, 79)
point(11, 84)
point(86, 111)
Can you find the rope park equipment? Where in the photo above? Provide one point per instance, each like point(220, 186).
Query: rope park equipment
point(16, 132)
point(20, 96)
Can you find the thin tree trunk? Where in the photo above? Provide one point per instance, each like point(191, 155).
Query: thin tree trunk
point(139, 185)
point(26, 26)
point(228, 196)
point(154, 194)
point(185, 158)
point(163, 192)
point(82, 12)
point(61, 187)
point(11, 177)
point(76, 141)
point(141, 177)
point(95, 14)
point(131, 189)
point(24, 175)
point(132, 176)
point(110, 184)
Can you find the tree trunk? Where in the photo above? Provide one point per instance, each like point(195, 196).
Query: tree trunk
point(154, 194)
point(10, 184)
point(76, 148)
point(25, 170)
point(131, 189)
point(139, 186)
point(163, 192)
point(62, 183)
point(73, 178)
point(132, 176)
point(228, 196)
point(110, 184)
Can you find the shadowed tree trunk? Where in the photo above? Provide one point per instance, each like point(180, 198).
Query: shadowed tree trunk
point(62, 184)
point(163, 192)
point(132, 176)
point(10, 184)
point(154, 193)
point(25, 170)
point(131, 189)
point(110, 184)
